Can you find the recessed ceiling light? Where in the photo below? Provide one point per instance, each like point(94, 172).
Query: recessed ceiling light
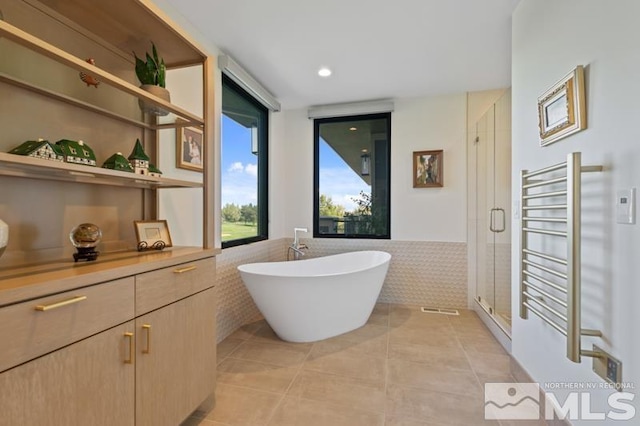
point(353, 129)
point(324, 72)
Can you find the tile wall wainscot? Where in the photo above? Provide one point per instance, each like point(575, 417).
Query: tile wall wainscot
point(422, 273)
point(426, 273)
point(235, 306)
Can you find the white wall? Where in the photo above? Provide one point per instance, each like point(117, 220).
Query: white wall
point(296, 163)
point(429, 214)
point(550, 38)
point(417, 214)
point(183, 208)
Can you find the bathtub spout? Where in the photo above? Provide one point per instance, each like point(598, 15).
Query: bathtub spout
point(297, 250)
point(297, 247)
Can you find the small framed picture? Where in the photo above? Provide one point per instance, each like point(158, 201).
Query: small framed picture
point(152, 234)
point(561, 109)
point(189, 148)
point(427, 169)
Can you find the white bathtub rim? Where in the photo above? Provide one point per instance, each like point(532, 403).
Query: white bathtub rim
point(254, 268)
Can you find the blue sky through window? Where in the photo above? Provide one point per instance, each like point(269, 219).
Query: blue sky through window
point(338, 180)
point(239, 166)
point(240, 170)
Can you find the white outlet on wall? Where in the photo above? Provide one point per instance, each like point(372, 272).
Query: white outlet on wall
point(626, 206)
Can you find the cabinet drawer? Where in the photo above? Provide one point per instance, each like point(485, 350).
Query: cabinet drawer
point(34, 328)
point(159, 288)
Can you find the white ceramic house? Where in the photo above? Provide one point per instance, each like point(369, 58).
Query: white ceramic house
point(39, 149)
point(139, 159)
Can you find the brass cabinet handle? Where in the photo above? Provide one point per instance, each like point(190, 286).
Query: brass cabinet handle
point(129, 336)
point(56, 305)
point(185, 269)
point(147, 327)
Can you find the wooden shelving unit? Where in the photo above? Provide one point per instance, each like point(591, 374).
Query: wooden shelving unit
point(119, 28)
point(36, 168)
point(37, 45)
point(80, 332)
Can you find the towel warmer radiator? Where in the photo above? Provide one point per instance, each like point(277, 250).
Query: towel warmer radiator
point(545, 289)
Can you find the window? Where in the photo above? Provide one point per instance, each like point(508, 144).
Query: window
point(352, 176)
point(244, 166)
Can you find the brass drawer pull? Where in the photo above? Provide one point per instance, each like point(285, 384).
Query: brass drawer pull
point(185, 269)
point(129, 336)
point(71, 301)
point(147, 327)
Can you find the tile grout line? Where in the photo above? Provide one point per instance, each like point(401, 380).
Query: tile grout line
point(227, 356)
point(386, 364)
point(457, 330)
point(286, 391)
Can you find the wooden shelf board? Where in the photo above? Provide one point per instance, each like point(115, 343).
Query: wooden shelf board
point(72, 101)
point(118, 22)
point(25, 39)
point(37, 168)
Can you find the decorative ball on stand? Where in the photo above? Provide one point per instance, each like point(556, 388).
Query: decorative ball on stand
point(85, 237)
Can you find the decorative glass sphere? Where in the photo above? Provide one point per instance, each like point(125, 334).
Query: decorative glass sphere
point(85, 235)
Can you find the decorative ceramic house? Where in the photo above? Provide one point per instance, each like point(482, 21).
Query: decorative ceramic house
point(118, 162)
point(154, 171)
point(77, 152)
point(39, 149)
point(139, 159)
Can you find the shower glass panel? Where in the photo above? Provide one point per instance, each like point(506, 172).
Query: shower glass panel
point(493, 210)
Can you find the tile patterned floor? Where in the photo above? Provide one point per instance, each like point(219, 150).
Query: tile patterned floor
point(403, 368)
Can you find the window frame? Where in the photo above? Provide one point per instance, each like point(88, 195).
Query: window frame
point(316, 175)
point(263, 169)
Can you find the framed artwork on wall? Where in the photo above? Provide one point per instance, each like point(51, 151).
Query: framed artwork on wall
point(189, 148)
point(561, 109)
point(427, 169)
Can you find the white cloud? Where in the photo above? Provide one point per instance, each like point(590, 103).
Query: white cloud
point(235, 167)
point(239, 184)
point(342, 185)
point(251, 169)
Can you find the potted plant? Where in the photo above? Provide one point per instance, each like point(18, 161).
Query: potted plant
point(152, 75)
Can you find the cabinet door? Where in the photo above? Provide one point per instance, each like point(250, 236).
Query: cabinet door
point(86, 383)
point(176, 359)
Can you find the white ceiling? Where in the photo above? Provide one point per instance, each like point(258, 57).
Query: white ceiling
point(375, 48)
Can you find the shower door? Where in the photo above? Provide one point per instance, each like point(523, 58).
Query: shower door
point(493, 210)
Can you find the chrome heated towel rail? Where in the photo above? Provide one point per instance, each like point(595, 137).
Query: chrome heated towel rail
point(550, 283)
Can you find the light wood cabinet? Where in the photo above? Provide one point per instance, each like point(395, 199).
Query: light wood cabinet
point(154, 368)
point(43, 325)
point(85, 362)
point(86, 383)
point(176, 361)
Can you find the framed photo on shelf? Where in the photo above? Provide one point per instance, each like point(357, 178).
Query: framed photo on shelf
point(427, 169)
point(189, 148)
point(152, 234)
point(562, 108)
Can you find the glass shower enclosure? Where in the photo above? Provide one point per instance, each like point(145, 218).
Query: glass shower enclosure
point(491, 194)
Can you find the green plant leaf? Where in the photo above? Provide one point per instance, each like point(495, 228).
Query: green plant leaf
point(155, 53)
point(162, 74)
point(142, 71)
point(152, 70)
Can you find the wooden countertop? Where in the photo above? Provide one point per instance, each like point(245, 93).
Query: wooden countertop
point(33, 281)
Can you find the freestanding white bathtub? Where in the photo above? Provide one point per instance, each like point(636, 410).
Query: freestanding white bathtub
point(313, 299)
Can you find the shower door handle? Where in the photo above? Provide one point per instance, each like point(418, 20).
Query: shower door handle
point(491, 220)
